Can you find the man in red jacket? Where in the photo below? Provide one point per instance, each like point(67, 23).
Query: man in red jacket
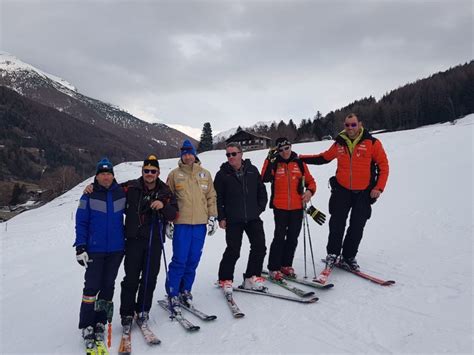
point(289, 177)
point(361, 175)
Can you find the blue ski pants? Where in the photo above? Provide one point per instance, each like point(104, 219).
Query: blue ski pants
point(188, 241)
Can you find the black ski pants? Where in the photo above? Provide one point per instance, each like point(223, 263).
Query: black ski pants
point(285, 238)
point(340, 203)
point(233, 236)
point(99, 284)
point(142, 265)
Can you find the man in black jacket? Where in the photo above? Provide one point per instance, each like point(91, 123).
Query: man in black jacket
point(150, 204)
point(241, 198)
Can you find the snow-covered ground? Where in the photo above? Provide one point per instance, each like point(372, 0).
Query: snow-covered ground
point(420, 235)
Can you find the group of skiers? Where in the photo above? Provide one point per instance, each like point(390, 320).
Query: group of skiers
point(190, 205)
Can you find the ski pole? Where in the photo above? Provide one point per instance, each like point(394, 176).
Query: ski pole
point(310, 244)
point(304, 245)
point(166, 266)
point(147, 269)
point(304, 229)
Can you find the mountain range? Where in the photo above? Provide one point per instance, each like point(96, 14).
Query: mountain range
point(46, 124)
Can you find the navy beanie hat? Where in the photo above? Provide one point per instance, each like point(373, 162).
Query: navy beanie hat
point(104, 166)
point(187, 148)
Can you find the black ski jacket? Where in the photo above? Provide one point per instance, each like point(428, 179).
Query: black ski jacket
point(138, 214)
point(241, 196)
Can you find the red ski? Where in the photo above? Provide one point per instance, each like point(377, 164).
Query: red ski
point(326, 272)
point(369, 277)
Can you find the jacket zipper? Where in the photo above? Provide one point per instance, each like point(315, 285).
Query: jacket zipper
point(244, 189)
point(288, 176)
point(109, 198)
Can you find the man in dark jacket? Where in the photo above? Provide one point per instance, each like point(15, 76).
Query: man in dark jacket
point(150, 204)
point(99, 248)
point(241, 198)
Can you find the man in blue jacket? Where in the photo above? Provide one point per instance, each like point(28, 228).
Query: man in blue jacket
point(99, 248)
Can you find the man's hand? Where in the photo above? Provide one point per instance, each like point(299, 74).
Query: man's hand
point(272, 154)
point(222, 224)
point(88, 189)
point(375, 193)
point(211, 225)
point(306, 196)
point(169, 231)
point(156, 205)
point(81, 256)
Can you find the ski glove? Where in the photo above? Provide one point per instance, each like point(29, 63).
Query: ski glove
point(272, 154)
point(169, 230)
point(211, 225)
point(81, 256)
point(317, 215)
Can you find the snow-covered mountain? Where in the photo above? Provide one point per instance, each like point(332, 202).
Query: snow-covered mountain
point(19, 71)
point(57, 93)
point(420, 235)
point(227, 133)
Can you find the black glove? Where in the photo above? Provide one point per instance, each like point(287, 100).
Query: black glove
point(316, 214)
point(272, 154)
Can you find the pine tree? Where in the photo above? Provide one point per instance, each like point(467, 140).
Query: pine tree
point(206, 138)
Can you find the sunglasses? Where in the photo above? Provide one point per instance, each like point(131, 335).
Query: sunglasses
point(283, 149)
point(233, 154)
point(150, 171)
point(353, 125)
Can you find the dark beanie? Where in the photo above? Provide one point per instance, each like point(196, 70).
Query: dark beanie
point(151, 161)
point(187, 148)
point(281, 142)
point(104, 166)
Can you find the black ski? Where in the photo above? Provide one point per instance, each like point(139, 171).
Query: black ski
point(186, 324)
point(201, 315)
point(277, 295)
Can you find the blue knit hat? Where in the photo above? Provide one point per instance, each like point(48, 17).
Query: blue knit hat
point(104, 166)
point(187, 148)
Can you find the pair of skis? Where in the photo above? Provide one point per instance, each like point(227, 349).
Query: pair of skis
point(302, 282)
point(304, 297)
point(324, 275)
point(125, 347)
point(184, 322)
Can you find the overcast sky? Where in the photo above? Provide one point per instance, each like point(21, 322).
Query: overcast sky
point(235, 62)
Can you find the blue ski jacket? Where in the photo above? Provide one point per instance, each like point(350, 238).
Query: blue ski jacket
point(99, 219)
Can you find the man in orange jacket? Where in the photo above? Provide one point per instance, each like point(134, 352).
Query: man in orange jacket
point(361, 175)
point(289, 177)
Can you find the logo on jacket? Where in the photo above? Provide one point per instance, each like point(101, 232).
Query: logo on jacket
point(202, 174)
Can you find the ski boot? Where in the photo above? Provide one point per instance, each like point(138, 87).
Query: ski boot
point(349, 264)
point(255, 283)
point(186, 298)
point(89, 340)
point(288, 271)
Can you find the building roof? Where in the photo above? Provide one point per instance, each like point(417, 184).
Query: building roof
point(243, 135)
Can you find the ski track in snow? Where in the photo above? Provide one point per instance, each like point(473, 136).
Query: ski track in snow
point(420, 235)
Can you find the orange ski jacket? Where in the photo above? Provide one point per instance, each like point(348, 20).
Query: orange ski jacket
point(286, 178)
point(360, 164)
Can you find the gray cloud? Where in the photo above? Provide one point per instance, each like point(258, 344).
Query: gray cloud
point(235, 62)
